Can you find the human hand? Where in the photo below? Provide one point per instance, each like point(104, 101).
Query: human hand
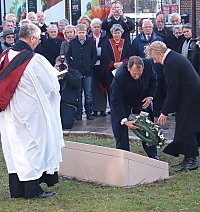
point(146, 102)
point(111, 14)
point(120, 12)
point(118, 64)
point(162, 119)
point(130, 124)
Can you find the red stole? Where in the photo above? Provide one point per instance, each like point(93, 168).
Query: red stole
point(10, 75)
point(117, 49)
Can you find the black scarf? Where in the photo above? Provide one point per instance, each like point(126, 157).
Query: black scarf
point(21, 45)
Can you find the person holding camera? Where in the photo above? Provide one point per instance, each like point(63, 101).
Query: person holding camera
point(117, 16)
point(70, 86)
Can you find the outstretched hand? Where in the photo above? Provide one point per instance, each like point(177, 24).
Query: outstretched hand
point(130, 124)
point(146, 102)
point(162, 119)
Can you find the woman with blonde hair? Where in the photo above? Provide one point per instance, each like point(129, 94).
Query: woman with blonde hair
point(85, 20)
point(69, 34)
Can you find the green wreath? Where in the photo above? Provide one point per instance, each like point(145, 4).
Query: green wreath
point(149, 133)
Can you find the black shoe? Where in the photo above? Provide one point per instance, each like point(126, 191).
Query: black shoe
point(94, 113)
point(103, 113)
point(190, 164)
point(89, 117)
point(46, 194)
point(182, 163)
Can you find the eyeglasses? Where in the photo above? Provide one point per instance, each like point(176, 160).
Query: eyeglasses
point(10, 37)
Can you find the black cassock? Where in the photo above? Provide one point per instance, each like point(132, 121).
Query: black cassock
point(183, 97)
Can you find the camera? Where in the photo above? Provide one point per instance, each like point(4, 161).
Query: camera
point(62, 66)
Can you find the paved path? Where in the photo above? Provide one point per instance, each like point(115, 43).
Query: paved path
point(102, 126)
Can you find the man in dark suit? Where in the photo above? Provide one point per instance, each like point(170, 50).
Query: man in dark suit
point(117, 16)
point(160, 29)
point(183, 91)
point(132, 90)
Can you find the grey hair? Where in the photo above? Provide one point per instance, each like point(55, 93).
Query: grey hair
point(24, 21)
point(40, 12)
point(137, 61)
point(52, 26)
point(33, 13)
point(175, 15)
point(10, 15)
point(29, 30)
point(63, 21)
point(187, 26)
point(4, 22)
point(147, 21)
point(95, 21)
point(69, 27)
point(116, 27)
point(81, 27)
point(178, 26)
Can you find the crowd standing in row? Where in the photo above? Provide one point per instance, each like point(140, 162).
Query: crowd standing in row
point(103, 63)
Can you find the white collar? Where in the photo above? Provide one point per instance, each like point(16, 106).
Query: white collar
point(165, 55)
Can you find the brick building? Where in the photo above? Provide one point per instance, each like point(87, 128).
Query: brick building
point(186, 7)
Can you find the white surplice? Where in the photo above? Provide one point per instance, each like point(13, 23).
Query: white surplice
point(30, 127)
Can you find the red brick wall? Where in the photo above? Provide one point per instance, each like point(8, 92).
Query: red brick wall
point(186, 7)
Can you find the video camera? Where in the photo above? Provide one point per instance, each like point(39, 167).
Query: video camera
point(62, 66)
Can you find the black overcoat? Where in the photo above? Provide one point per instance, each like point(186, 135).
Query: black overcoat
point(126, 91)
point(183, 97)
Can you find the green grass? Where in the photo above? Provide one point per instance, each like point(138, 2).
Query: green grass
point(179, 193)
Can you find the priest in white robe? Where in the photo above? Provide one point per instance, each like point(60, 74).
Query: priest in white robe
point(30, 125)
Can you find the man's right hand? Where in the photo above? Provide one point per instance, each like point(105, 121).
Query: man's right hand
point(130, 124)
point(111, 14)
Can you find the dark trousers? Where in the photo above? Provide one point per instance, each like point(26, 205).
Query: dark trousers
point(122, 137)
point(159, 98)
point(30, 189)
point(187, 146)
point(27, 189)
point(68, 115)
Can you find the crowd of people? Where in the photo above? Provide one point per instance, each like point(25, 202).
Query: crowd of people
point(103, 65)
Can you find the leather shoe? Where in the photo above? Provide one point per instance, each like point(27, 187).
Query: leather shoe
point(46, 194)
point(103, 113)
point(190, 164)
point(89, 117)
point(182, 163)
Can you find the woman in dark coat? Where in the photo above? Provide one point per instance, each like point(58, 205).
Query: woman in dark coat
point(183, 92)
point(118, 51)
point(50, 48)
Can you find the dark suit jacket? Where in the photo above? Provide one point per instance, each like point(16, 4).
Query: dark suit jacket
point(126, 91)
point(165, 33)
point(183, 92)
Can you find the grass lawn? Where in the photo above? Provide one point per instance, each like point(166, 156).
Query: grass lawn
point(179, 193)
